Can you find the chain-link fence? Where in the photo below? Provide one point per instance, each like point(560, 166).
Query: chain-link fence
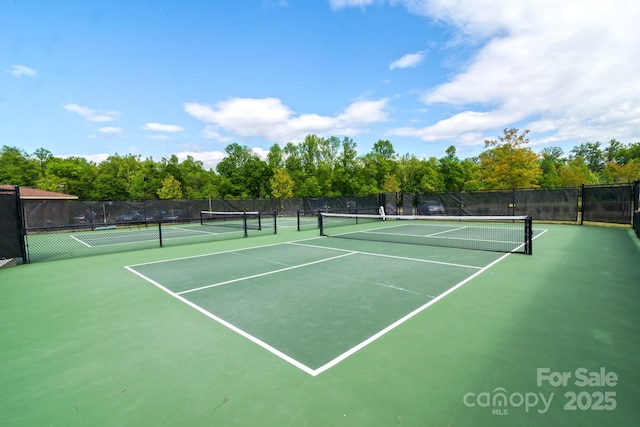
point(608, 203)
point(53, 242)
point(65, 229)
point(559, 204)
point(12, 247)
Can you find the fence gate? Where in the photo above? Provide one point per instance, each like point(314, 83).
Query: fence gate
point(12, 246)
point(608, 203)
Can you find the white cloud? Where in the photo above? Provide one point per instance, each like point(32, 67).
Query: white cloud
point(260, 152)
point(160, 127)
point(568, 69)
point(91, 115)
point(21, 70)
point(209, 159)
point(110, 130)
point(339, 4)
point(270, 119)
point(159, 137)
point(409, 60)
point(107, 132)
point(96, 158)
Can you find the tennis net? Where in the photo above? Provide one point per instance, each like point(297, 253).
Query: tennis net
point(243, 220)
point(488, 233)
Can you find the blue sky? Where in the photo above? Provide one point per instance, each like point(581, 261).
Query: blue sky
point(156, 78)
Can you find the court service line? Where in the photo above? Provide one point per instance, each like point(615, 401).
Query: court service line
point(265, 273)
point(389, 256)
point(466, 239)
point(231, 326)
point(445, 231)
point(402, 320)
point(81, 242)
point(223, 252)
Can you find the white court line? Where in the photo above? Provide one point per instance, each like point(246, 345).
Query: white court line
point(285, 357)
point(289, 359)
point(445, 231)
point(264, 274)
point(228, 251)
point(390, 256)
point(133, 234)
point(429, 235)
point(231, 326)
point(400, 321)
point(80, 241)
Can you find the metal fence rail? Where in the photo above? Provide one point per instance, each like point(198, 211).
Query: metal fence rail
point(48, 243)
point(82, 228)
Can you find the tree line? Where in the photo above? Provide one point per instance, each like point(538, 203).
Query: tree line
point(321, 166)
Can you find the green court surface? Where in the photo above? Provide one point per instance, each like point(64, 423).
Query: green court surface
point(292, 329)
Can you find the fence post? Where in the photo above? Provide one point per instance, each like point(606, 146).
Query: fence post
point(582, 204)
point(275, 222)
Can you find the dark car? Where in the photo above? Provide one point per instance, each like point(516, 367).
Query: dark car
point(431, 207)
point(88, 217)
point(154, 215)
point(176, 214)
point(130, 216)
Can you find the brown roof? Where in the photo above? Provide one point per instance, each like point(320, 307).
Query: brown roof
point(27, 193)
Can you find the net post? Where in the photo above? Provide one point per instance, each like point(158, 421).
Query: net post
point(160, 232)
point(259, 221)
point(528, 236)
point(298, 216)
point(201, 218)
point(244, 223)
point(275, 222)
point(320, 226)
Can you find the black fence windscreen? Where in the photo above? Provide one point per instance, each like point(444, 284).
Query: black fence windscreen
point(57, 229)
point(12, 246)
point(344, 204)
point(560, 204)
point(608, 203)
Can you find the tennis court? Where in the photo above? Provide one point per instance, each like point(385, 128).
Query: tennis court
point(310, 304)
point(298, 329)
point(144, 235)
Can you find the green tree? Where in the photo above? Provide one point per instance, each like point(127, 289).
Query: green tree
point(592, 154)
point(275, 157)
point(114, 177)
point(145, 180)
point(171, 189)
point(452, 171)
point(310, 188)
point(43, 155)
point(347, 169)
point(245, 174)
point(576, 172)
point(15, 167)
point(509, 163)
point(281, 186)
point(75, 175)
point(627, 172)
point(615, 152)
point(198, 182)
point(419, 175)
point(551, 160)
point(632, 151)
point(391, 184)
point(379, 163)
